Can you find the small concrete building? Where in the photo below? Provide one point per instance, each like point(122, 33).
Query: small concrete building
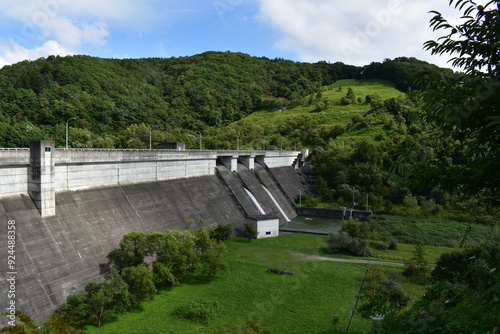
point(267, 225)
point(177, 146)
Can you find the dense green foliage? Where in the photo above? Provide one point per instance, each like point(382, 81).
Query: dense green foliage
point(464, 109)
point(453, 232)
point(100, 301)
point(133, 280)
point(56, 324)
point(464, 298)
point(199, 310)
point(117, 102)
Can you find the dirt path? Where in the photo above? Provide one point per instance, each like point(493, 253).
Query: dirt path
point(324, 258)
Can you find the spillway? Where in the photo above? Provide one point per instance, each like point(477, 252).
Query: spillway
point(276, 203)
point(254, 200)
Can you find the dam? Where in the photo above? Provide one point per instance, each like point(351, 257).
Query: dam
point(71, 207)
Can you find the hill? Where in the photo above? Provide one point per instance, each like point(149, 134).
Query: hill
point(117, 101)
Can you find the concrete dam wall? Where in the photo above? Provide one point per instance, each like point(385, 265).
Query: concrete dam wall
point(98, 199)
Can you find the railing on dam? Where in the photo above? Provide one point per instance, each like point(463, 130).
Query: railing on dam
point(13, 149)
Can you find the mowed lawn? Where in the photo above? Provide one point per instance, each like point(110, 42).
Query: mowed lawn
point(300, 303)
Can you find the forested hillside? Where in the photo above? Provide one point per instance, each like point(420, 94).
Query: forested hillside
point(361, 123)
point(117, 102)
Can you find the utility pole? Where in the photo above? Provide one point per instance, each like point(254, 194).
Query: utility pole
point(150, 135)
point(357, 300)
point(67, 125)
point(201, 143)
point(353, 192)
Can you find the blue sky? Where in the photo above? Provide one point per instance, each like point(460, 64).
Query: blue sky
point(355, 32)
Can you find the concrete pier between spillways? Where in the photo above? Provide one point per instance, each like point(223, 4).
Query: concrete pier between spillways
point(71, 207)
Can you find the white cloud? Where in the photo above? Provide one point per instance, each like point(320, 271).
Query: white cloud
point(69, 24)
point(355, 32)
point(14, 52)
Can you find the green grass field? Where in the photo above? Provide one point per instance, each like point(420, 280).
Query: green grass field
point(333, 114)
point(301, 303)
point(434, 231)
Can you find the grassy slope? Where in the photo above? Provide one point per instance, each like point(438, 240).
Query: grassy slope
point(300, 303)
point(334, 114)
point(271, 121)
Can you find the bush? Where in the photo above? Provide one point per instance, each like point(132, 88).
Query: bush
point(393, 244)
point(250, 231)
point(343, 243)
point(385, 298)
point(418, 265)
point(199, 310)
point(358, 229)
point(382, 246)
point(221, 232)
point(410, 203)
point(429, 207)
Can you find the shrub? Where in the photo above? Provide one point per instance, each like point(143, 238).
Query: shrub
point(388, 206)
point(385, 298)
point(429, 207)
point(393, 244)
point(221, 232)
point(343, 243)
point(418, 265)
point(358, 229)
point(410, 202)
point(199, 310)
point(250, 231)
point(382, 246)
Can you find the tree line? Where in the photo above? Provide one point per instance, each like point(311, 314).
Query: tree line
point(116, 102)
point(144, 264)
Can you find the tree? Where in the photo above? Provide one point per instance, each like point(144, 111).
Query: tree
point(250, 231)
point(133, 248)
point(463, 299)
point(56, 324)
point(418, 265)
point(384, 298)
point(465, 108)
point(211, 252)
point(178, 252)
point(140, 283)
point(163, 276)
point(221, 232)
point(99, 299)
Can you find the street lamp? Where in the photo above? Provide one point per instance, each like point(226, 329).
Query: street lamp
point(353, 192)
point(237, 142)
point(150, 135)
point(201, 143)
point(67, 124)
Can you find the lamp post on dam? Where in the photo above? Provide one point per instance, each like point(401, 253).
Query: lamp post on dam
point(67, 126)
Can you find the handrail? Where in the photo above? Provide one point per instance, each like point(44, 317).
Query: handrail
point(13, 149)
point(145, 150)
